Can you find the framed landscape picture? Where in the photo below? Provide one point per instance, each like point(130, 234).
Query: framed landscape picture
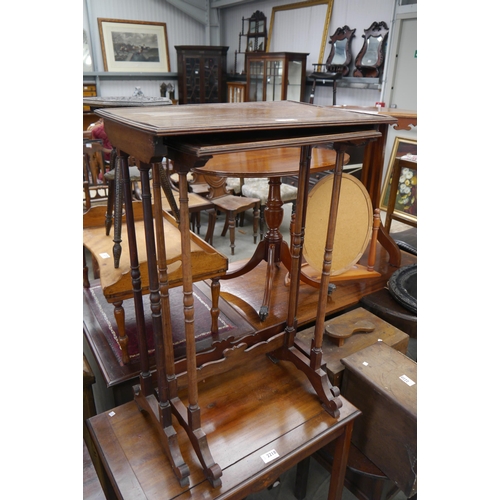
point(134, 46)
point(406, 196)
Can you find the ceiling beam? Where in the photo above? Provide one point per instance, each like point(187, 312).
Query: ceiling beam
point(220, 4)
point(197, 9)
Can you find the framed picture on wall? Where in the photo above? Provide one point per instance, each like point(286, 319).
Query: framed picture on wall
point(134, 46)
point(406, 196)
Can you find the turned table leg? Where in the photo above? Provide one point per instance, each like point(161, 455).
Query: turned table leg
point(122, 334)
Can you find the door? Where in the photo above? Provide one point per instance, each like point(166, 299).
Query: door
point(404, 84)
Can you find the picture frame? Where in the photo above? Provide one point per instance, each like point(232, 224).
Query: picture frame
point(134, 46)
point(284, 21)
point(406, 196)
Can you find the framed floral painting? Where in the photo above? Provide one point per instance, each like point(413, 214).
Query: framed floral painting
point(406, 195)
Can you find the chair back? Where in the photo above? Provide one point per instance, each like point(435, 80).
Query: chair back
point(217, 186)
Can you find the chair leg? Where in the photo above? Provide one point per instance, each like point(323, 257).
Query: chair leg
point(232, 232)
point(212, 218)
point(226, 225)
point(197, 218)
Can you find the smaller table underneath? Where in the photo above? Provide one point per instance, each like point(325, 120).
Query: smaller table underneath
point(271, 420)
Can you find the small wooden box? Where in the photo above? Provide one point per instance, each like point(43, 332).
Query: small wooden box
point(332, 353)
point(382, 383)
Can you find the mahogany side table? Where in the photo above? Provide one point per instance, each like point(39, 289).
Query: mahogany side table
point(261, 420)
point(190, 136)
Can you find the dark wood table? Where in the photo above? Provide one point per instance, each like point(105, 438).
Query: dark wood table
point(190, 136)
point(267, 411)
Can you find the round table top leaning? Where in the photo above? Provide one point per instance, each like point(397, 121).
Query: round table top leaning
point(353, 228)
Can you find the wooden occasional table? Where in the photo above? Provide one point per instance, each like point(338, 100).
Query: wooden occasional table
point(262, 420)
point(272, 164)
point(190, 136)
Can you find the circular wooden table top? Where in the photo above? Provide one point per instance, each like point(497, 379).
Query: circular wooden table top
point(353, 228)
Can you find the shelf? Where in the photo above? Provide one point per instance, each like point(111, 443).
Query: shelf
point(106, 75)
point(351, 82)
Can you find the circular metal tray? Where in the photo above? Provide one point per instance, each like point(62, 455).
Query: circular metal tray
point(403, 287)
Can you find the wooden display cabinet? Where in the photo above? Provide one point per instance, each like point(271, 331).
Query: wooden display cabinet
point(283, 72)
point(202, 73)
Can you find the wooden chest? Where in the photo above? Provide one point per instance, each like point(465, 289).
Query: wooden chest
point(382, 383)
point(332, 353)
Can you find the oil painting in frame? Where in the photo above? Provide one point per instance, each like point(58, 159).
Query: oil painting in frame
point(134, 46)
point(406, 196)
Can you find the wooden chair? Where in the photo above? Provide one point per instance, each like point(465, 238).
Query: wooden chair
point(231, 205)
point(94, 171)
point(337, 64)
point(399, 164)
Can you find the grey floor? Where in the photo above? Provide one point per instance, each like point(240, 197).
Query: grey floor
point(244, 247)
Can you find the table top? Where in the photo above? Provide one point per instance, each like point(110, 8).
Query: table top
point(224, 117)
point(268, 162)
point(202, 130)
point(98, 102)
point(257, 409)
point(406, 117)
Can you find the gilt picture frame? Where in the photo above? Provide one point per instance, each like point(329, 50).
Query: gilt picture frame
point(319, 9)
point(134, 46)
point(406, 196)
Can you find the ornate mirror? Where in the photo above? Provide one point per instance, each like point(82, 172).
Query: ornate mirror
point(257, 32)
point(371, 56)
point(340, 54)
